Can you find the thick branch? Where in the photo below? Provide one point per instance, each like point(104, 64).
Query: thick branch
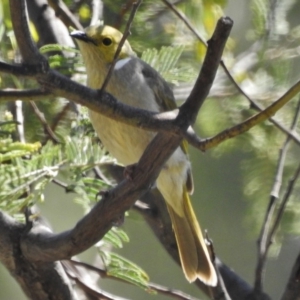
point(20, 70)
point(212, 61)
point(36, 280)
point(238, 288)
point(25, 95)
point(27, 48)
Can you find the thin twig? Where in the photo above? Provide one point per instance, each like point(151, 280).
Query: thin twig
point(258, 107)
point(92, 291)
point(238, 129)
point(61, 184)
point(184, 19)
point(63, 12)
point(176, 294)
point(43, 121)
point(269, 228)
point(20, 120)
point(282, 206)
point(62, 114)
point(160, 11)
point(220, 291)
point(282, 156)
point(126, 33)
point(123, 10)
point(99, 174)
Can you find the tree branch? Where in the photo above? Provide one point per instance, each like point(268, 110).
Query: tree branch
point(205, 79)
point(48, 130)
point(63, 12)
point(292, 290)
point(29, 51)
point(126, 33)
point(26, 70)
point(25, 95)
point(38, 280)
point(153, 286)
point(270, 223)
point(205, 144)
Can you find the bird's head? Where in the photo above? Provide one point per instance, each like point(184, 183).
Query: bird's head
point(102, 41)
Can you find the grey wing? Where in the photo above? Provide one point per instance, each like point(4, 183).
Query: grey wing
point(162, 91)
point(166, 101)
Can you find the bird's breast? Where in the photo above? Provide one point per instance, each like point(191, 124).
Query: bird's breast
point(126, 143)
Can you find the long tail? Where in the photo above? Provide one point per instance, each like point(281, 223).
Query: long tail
point(193, 252)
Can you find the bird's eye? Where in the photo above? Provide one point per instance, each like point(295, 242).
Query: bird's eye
point(106, 41)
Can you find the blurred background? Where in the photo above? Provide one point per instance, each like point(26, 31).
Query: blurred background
point(233, 181)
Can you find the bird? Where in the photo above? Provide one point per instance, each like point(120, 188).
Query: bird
point(137, 84)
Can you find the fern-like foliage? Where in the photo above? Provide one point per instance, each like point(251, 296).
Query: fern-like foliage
point(165, 61)
point(118, 266)
point(24, 177)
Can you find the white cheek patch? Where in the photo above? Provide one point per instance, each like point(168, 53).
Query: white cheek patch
point(121, 63)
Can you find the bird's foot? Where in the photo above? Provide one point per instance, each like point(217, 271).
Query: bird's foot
point(129, 171)
point(119, 221)
point(102, 194)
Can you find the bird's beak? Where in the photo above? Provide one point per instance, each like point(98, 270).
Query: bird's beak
point(82, 36)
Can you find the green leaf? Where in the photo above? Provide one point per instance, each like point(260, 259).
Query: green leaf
point(116, 237)
point(57, 48)
point(120, 267)
point(165, 61)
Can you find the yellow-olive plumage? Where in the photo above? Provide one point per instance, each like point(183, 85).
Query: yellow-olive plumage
point(135, 83)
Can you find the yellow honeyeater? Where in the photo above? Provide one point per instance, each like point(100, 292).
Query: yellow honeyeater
point(135, 83)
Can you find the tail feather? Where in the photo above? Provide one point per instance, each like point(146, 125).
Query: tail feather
point(194, 256)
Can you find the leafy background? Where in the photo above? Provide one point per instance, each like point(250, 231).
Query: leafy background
point(232, 182)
